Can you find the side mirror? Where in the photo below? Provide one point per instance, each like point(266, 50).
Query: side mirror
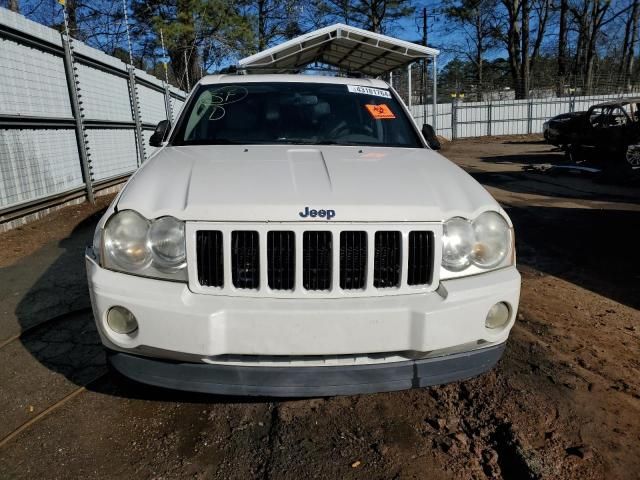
point(429, 135)
point(162, 129)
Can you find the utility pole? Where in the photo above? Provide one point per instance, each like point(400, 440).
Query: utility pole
point(424, 26)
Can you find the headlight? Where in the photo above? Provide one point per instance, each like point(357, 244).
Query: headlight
point(492, 240)
point(166, 241)
point(457, 244)
point(125, 240)
point(156, 248)
point(483, 243)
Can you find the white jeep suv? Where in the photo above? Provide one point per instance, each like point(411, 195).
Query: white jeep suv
point(296, 236)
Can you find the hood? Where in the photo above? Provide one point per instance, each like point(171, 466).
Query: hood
point(276, 183)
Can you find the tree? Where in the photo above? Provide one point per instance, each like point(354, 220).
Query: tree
point(516, 35)
point(373, 15)
point(591, 16)
point(198, 34)
point(274, 20)
point(562, 45)
point(629, 45)
point(477, 18)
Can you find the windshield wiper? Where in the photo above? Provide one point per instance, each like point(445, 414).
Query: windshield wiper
point(223, 141)
point(212, 141)
point(336, 142)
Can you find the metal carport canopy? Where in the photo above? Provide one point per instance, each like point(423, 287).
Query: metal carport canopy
point(349, 48)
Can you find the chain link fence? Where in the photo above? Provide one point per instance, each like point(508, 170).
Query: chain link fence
point(73, 120)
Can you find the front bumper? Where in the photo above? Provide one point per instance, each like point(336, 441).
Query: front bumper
point(188, 338)
point(305, 381)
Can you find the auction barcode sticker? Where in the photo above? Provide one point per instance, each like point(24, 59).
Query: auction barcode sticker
point(376, 92)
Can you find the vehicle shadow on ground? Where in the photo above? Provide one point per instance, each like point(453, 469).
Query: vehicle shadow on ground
point(60, 333)
point(596, 249)
point(55, 314)
point(618, 187)
point(540, 141)
point(530, 158)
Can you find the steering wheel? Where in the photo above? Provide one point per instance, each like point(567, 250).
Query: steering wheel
point(343, 129)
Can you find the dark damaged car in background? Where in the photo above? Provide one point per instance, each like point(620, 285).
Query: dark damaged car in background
point(608, 132)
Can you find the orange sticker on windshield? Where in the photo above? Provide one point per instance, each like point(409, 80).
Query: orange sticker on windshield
point(380, 112)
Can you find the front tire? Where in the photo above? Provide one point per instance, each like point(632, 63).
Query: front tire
point(632, 156)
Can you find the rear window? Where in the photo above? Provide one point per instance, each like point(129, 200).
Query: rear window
point(295, 113)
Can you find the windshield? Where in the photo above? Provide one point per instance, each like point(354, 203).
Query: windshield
point(295, 113)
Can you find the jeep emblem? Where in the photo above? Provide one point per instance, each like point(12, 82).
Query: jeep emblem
point(310, 212)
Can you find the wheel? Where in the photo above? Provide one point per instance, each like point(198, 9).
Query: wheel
point(633, 155)
point(573, 154)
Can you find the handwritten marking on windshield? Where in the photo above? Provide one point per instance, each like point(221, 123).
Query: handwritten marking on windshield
point(225, 96)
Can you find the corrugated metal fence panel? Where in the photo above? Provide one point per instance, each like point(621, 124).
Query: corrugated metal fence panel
point(36, 164)
point(471, 119)
point(113, 152)
point(32, 82)
point(104, 96)
point(22, 24)
point(176, 107)
point(95, 54)
point(545, 108)
point(508, 117)
point(443, 117)
point(152, 107)
point(502, 117)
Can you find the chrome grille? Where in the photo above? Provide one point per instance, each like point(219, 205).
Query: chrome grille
point(312, 260)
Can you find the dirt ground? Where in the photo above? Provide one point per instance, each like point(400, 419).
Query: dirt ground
point(563, 403)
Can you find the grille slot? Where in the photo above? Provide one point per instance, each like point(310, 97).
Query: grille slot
point(353, 260)
point(210, 258)
point(245, 259)
point(386, 266)
point(316, 265)
point(281, 254)
point(420, 258)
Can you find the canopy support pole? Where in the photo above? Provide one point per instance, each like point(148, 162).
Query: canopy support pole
point(409, 102)
point(435, 94)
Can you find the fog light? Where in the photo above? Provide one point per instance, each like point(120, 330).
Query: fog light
point(121, 320)
point(498, 316)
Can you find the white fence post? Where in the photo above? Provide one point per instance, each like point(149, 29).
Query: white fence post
point(76, 110)
point(135, 110)
point(454, 119)
point(435, 93)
